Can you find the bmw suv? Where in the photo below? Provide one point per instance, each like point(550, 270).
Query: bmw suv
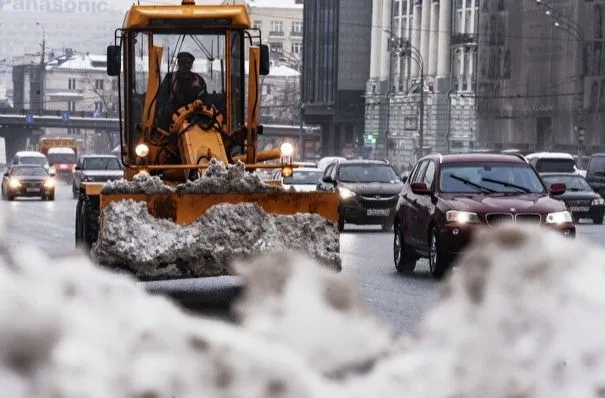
point(448, 196)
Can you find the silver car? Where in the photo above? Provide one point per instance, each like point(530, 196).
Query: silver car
point(96, 168)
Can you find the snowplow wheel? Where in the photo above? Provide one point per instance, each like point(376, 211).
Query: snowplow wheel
point(87, 220)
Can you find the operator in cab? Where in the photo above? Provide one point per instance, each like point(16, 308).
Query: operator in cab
point(179, 89)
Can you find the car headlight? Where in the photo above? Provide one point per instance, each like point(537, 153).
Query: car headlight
point(462, 217)
point(49, 183)
point(14, 183)
point(345, 193)
point(559, 217)
point(598, 201)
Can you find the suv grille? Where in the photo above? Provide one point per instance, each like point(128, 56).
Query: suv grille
point(495, 218)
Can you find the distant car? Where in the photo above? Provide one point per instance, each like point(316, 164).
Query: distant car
point(303, 179)
point(96, 168)
point(368, 191)
point(30, 158)
point(552, 162)
point(28, 180)
point(62, 162)
point(579, 197)
point(595, 173)
point(447, 197)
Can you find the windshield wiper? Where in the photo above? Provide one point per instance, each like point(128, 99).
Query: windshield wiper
point(481, 188)
point(507, 184)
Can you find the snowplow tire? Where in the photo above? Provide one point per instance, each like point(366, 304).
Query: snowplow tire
point(87, 220)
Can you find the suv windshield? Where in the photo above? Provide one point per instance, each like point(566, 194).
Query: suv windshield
point(101, 164)
point(304, 177)
point(54, 158)
point(29, 171)
point(489, 178)
point(367, 173)
point(555, 166)
point(37, 160)
point(572, 183)
point(596, 165)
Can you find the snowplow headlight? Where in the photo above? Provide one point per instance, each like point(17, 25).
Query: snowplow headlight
point(286, 149)
point(141, 150)
point(286, 172)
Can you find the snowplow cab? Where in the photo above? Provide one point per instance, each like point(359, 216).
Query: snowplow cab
point(188, 78)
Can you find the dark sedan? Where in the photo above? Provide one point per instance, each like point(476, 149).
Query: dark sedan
point(28, 180)
point(579, 197)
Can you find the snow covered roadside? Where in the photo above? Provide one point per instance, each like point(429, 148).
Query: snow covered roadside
point(150, 247)
point(520, 317)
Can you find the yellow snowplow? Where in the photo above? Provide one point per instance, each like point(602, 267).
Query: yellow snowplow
point(179, 119)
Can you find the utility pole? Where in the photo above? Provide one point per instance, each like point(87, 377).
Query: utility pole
point(42, 73)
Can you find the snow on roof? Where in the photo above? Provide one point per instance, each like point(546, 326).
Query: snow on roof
point(61, 150)
point(274, 4)
point(30, 153)
point(549, 155)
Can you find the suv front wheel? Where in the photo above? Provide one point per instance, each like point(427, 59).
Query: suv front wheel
point(438, 262)
point(405, 260)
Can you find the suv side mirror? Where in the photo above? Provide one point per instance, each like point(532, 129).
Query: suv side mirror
point(77, 168)
point(420, 188)
point(265, 64)
point(114, 61)
point(557, 188)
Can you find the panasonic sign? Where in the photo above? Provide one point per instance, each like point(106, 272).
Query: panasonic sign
point(55, 6)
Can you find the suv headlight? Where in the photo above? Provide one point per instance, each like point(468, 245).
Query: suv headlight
point(559, 217)
point(598, 201)
point(345, 193)
point(14, 183)
point(462, 217)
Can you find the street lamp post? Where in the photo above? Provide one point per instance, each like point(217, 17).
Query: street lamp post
point(42, 68)
point(575, 30)
point(403, 48)
point(293, 61)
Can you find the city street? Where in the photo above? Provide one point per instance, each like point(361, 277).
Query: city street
point(366, 252)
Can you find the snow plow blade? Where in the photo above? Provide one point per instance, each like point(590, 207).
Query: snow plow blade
point(186, 208)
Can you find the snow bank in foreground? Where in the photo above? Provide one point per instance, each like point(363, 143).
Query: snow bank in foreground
point(217, 179)
point(157, 248)
point(521, 317)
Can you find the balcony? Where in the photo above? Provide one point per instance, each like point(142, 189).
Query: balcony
point(295, 33)
point(276, 33)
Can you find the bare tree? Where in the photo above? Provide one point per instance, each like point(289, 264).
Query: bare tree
point(107, 96)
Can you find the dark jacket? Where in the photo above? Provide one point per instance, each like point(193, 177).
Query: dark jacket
point(177, 91)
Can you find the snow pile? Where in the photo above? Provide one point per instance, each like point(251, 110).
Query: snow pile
point(69, 330)
point(230, 179)
point(318, 313)
point(154, 248)
point(523, 316)
point(140, 184)
point(217, 179)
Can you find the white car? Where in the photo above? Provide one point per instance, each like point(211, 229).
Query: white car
point(303, 179)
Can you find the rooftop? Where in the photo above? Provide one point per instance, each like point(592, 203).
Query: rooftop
point(479, 157)
point(268, 3)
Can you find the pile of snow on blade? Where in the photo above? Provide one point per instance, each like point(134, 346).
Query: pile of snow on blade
point(231, 179)
point(216, 180)
point(523, 316)
point(150, 247)
point(70, 330)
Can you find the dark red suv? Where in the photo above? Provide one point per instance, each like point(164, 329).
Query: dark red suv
point(447, 197)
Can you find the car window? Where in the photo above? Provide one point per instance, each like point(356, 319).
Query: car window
point(29, 171)
point(367, 173)
point(489, 178)
point(303, 177)
point(333, 171)
point(555, 165)
point(101, 164)
point(429, 174)
point(328, 170)
point(36, 160)
point(54, 158)
point(414, 172)
point(596, 165)
point(572, 183)
point(420, 173)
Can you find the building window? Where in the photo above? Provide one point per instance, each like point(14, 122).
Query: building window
point(71, 84)
point(99, 84)
point(277, 27)
point(464, 68)
point(71, 105)
point(403, 12)
point(297, 28)
point(466, 15)
point(296, 48)
point(276, 47)
point(258, 24)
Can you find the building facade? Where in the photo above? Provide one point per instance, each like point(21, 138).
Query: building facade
point(420, 95)
point(336, 63)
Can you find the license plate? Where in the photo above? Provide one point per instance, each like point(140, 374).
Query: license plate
point(32, 190)
point(578, 209)
point(378, 212)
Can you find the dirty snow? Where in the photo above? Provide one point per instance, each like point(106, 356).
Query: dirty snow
point(154, 248)
point(217, 178)
point(521, 317)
